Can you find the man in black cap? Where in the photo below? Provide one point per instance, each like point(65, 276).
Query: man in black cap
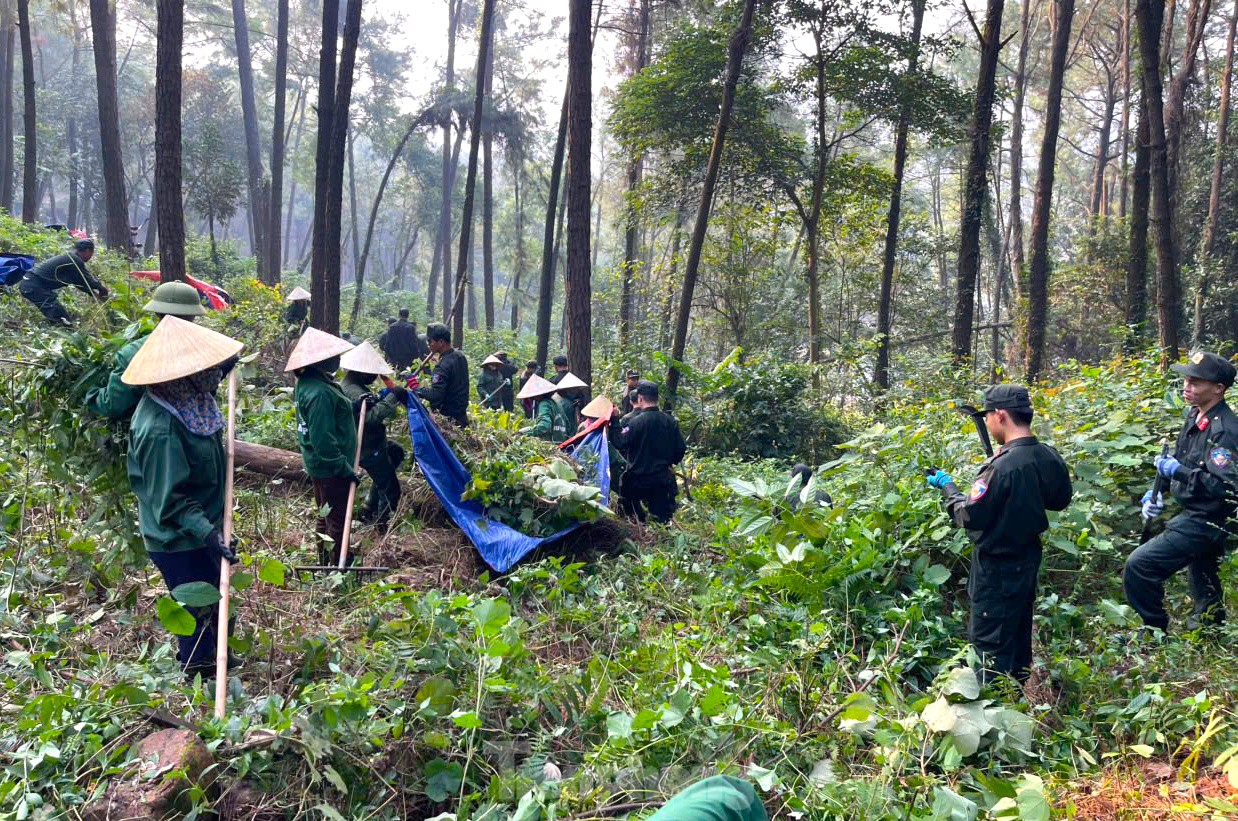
point(1004, 516)
point(629, 391)
point(508, 371)
point(448, 391)
point(651, 443)
point(400, 343)
point(561, 369)
point(62, 270)
point(1203, 480)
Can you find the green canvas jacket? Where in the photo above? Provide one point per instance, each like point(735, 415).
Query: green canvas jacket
point(374, 432)
point(547, 422)
point(326, 428)
point(490, 382)
point(721, 798)
point(116, 400)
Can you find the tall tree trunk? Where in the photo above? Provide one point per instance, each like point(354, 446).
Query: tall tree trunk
point(169, 206)
point(1124, 172)
point(352, 207)
point(487, 204)
point(320, 316)
point(1137, 256)
point(253, 143)
point(6, 105)
point(448, 178)
point(1016, 146)
point(635, 171)
point(1175, 101)
point(1038, 272)
point(513, 290)
point(292, 188)
point(71, 217)
point(1149, 15)
point(1207, 247)
point(885, 302)
point(453, 167)
point(976, 185)
point(1096, 204)
point(150, 246)
point(339, 138)
point(546, 289)
point(30, 165)
point(103, 33)
point(735, 59)
point(274, 250)
point(578, 289)
point(470, 180)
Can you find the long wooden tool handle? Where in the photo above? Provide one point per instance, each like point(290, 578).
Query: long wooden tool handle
point(352, 490)
point(225, 567)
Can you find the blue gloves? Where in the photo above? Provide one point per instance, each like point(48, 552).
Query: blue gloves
point(1151, 509)
point(1167, 466)
point(939, 479)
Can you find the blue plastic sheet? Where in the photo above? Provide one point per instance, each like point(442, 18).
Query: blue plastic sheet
point(501, 546)
point(13, 267)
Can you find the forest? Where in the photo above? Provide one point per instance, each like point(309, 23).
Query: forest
point(821, 228)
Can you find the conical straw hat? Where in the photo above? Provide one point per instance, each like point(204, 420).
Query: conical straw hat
point(571, 380)
point(297, 294)
point(491, 360)
point(599, 408)
point(315, 346)
point(537, 386)
point(176, 349)
point(364, 359)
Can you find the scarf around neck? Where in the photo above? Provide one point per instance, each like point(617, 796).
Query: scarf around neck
point(192, 401)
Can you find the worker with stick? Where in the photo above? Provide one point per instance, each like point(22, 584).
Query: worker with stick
point(448, 391)
point(490, 384)
point(327, 433)
point(177, 467)
point(63, 270)
point(1004, 515)
point(380, 458)
point(1204, 481)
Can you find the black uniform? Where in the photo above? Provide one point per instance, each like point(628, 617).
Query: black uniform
point(448, 391)
point(1205, 485)
point(60, 271)
point(297, 312)
point(508, 396)
point(651, 442)
point(1004, 516)
point(380, 458)
point(401, 344)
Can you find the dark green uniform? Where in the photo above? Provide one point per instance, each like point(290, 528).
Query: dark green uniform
point(651, 442)
point(548, 423)
point(297, 312)
point(568, 405)
point(1004, 516)
point(178, 479)
point(380, 458)
point(448, 391)
point(1206, 486)
point(327, 433)
point(115, 399)
point(490, 388)
point(721, 798)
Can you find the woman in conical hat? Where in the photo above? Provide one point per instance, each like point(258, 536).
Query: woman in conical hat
point(490, 383)
point(380, 458)
point(548, 423)
point(298, 306)
point(572, 390)
point(326, 431)
point(177, 466)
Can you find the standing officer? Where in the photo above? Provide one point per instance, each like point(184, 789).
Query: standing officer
point(380, 458)
point(448, 392)
point(508, 371)
point(1203, 480)
point(629, 391)
point(62, 270)
point(1004, 516)
point(401, 344)
point(651, 442)
point(560, 363)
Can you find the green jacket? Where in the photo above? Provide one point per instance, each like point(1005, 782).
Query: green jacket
point(490, 382)
point(567, 409)
point(374, 433)
point(117, 400)
point(547, 422)
point(326, 428)
point(721, 798)
point(178, 478)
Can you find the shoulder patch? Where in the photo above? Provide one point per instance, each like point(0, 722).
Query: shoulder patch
point(1221, 458)
point(978, 489)
point(437, 377)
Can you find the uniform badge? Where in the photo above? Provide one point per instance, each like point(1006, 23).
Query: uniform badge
point(436, 378)
point(978, 489)
point(1197, 357)
point(1221, 457)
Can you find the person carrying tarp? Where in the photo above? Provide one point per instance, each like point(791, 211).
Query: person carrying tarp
point(571, 391)
point(490, 383)
point(548, 423)
point(177, 466)
point(380, 457)
point(603, 408)
point(61, 271)
point(448, 391)
point(298, 308)
point(115, 399)
point(326, 431)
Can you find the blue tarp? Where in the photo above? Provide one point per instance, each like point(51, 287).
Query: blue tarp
point(13, 267)
point(500, 545)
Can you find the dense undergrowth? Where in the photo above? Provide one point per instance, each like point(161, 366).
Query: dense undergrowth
point(817, 652)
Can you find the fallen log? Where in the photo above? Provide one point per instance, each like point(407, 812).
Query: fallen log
point(273, 462)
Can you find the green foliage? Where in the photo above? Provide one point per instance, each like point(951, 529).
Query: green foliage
point(536, 497)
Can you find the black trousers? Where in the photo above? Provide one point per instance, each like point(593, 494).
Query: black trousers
point(642, 496)
point(1195, 544)
point(331, 492)
point(381, 464)
point(1003, 597)
point(182, 567)
point(46, 301)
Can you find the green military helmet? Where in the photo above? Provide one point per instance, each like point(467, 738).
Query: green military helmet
point(175, 299)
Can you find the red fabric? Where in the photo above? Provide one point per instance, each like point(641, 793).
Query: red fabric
point(590, 428)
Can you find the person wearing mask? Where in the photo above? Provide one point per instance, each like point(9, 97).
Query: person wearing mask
point(61, 271)
point(297, 312)
point(571, 398)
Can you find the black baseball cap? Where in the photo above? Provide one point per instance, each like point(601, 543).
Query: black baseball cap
point(1007, 397)
point(647, 389)
point(633, 373)
point(1207, 366)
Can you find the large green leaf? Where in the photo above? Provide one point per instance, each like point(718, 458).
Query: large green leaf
point(173, 615)
point(196, 594)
